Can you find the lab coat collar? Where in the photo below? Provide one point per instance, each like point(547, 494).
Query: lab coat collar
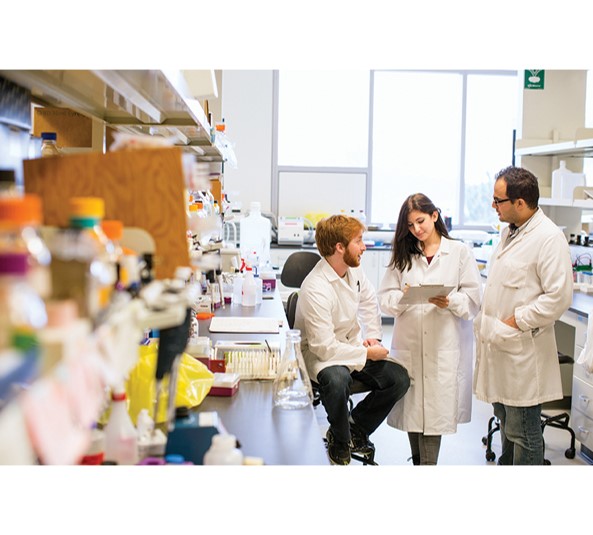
point(531, 225)
point(334, 278)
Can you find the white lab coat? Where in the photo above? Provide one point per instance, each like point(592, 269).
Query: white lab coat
point(435, 345)
point(532, 279)
point(334, 318)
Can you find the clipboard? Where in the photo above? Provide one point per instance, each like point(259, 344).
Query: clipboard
point(420, 294)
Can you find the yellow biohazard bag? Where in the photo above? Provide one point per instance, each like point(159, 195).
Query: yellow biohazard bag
point(194, 381)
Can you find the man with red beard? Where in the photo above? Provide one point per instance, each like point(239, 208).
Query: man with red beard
point(340, 322)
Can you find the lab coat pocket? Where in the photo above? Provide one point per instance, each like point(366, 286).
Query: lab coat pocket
point(507, 339)
point(516, 276)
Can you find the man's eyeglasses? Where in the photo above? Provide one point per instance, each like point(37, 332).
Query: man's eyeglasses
point(499, 201)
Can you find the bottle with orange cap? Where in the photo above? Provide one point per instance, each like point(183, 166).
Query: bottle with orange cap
point(20, 222)
point(126, 260)
point(82, 265)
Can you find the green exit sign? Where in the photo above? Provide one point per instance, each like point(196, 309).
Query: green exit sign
point(534, 79)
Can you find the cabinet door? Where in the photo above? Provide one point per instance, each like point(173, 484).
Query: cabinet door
point(369, 263)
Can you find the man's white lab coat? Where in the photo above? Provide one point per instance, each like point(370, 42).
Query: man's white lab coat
point(330, 313)
point(532, 279)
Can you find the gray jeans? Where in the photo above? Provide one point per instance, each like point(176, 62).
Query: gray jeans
point(425, 448)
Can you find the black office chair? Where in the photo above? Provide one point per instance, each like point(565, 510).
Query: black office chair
point(296, 268)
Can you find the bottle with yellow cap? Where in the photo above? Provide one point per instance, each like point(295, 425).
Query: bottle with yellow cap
point(82, 265)
point(20, 221)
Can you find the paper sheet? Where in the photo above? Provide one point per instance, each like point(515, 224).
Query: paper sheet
point(238, 324)
point(416, 295)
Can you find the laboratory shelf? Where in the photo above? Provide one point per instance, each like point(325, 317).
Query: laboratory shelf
point(152, 102)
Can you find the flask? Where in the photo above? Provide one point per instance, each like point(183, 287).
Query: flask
point(20, 221)
point(292, 386)
point(255, 234)
point(49, 145)
point(121, 438)
point(223, 450)
point(249, 294)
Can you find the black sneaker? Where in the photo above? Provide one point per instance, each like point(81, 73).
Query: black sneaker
point(339, 452)
point(360, 441)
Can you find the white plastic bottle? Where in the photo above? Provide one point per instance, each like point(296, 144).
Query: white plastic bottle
point(249, 296)
point(121, 437)
point(564, 181)
point(256, 234)
point(223, 451)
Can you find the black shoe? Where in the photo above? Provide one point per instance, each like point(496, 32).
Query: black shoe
point(339, 452)
point(360, 441)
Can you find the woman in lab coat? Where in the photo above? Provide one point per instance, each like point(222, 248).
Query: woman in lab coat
point(433, 340)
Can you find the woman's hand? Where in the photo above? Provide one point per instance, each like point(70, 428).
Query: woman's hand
point(442, 301)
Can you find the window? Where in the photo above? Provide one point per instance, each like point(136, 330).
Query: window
point(443, 133)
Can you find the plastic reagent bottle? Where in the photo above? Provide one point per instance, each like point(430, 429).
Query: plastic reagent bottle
point(20, 220)
point(292, 386)
point(82, 259)
point(121, 437)
point(256, 234)
point(249, 294)
point(49, 145)
point(223, 451)
point(22, 315)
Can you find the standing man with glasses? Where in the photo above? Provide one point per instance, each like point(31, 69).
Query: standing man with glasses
point(529, 286)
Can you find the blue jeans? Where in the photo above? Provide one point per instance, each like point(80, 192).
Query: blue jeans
point(521, 434)
point(388, 382)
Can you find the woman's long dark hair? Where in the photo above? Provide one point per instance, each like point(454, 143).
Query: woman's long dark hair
point(405, 245)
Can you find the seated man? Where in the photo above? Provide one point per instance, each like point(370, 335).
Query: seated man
point(340, 323)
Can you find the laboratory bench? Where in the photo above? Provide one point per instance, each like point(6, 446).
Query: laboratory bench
point(571, 334)
point(278, 436)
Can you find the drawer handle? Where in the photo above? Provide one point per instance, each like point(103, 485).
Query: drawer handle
point(583, 430)
point(584, 399)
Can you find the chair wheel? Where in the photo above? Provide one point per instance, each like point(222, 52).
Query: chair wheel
point(484, 440)
point(570, 453)
point(490, 456)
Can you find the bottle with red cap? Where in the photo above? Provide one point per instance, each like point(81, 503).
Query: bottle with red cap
point(121, 437)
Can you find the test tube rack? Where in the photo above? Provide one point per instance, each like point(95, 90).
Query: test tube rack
point(251, 360)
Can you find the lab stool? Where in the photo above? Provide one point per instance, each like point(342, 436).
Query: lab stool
point(357, 387)
point(559, 421)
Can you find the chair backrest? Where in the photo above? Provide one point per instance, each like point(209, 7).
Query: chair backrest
point(297, 266)
point(291, 304)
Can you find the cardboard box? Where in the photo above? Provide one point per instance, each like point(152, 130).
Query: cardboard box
point(72, 128)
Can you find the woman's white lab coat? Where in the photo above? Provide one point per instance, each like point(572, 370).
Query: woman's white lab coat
point(532, 279)
point(435, 345)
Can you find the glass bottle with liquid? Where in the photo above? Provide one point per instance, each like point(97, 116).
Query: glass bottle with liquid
point(292, 386)
point(49, 146)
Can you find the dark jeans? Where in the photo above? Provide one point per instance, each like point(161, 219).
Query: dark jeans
point(388, 382)
point(521, 434)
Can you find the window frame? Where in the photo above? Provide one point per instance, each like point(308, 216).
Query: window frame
point(368, 170)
